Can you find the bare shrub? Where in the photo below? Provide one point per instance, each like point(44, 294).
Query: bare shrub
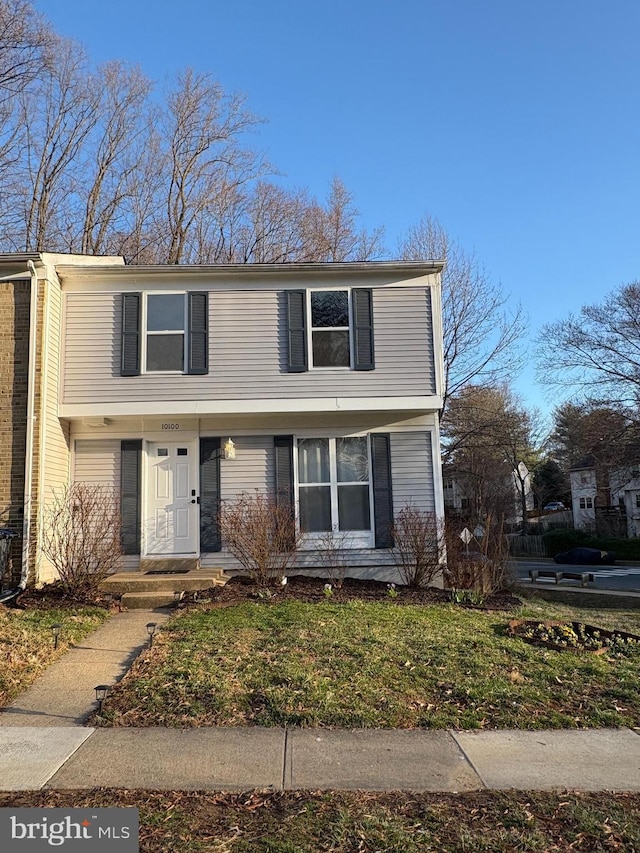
point(81, 529)
point(419, 545)
point(484, 565)
point(261, 534)
point(334, 557)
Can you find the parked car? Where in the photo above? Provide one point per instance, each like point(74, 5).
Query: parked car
point(554, 505)
point(586, 556)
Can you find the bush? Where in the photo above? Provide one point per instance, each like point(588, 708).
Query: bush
point(484, 567)
point(81, 528)
point(562, 540)
point(419, 545)
point(261, 534)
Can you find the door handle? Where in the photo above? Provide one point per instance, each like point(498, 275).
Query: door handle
point(195, 501)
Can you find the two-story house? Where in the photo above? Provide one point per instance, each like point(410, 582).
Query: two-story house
point(183, 386)
point(606, 500)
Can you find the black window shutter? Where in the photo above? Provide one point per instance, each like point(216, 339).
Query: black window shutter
point(130, 360)
point(198, 361)
point(297, 330)
point(210, 495)
point(382, 490)
point(130, 495)
point(362, 312)
point(283, 446)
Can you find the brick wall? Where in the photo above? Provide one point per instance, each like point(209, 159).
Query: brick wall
point(14, 364)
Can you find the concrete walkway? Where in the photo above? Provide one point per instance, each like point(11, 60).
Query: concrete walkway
point(64, 694)
point(44, 744)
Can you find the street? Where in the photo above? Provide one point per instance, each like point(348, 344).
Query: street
point(623, 577)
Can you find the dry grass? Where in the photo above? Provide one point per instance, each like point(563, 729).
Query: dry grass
point(26, 642)
point(357, 822)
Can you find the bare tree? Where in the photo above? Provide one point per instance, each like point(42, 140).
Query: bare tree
point(116, 156)
point(261, 533)
point(419, 545)
point(24, 41)
point(59, 115)
point(599, 350)
point(331, 232)
point(487, 433)
point(201, 127)
point(481, 334)
point(81, 535)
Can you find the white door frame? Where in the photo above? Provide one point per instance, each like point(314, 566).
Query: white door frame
point(190, 500)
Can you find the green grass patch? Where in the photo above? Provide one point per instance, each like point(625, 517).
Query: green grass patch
point(26, 642)
point(350, 822)
point(367, 665)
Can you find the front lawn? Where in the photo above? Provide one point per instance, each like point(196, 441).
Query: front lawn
point(381, 665)
point(350, 822)
point(26, 642)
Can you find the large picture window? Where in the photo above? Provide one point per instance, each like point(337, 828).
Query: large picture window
point(165, 332)
point(334, 487)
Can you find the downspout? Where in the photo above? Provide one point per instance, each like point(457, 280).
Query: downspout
point(10, 594)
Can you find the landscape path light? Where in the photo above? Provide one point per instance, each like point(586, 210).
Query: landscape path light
point(151, 629)
point(55, 630)
point(101, 695)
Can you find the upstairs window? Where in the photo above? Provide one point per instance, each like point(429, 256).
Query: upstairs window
point(165, 332)
point(586, 503)
point(330, 328)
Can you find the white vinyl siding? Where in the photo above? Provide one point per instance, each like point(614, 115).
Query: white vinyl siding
point(252, 469)
point(97, 462)
point(248, 358)
point(54, 433)
point(412, 470)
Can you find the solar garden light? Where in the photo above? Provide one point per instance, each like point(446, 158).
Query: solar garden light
point(55, 630)
point(101, 695)
point(151, 629)
point(177, 595)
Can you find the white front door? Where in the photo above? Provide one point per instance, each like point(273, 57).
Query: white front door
point(172, 507)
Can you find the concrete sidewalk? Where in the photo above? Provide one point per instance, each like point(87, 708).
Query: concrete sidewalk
point(234, 759)
point(44, 744)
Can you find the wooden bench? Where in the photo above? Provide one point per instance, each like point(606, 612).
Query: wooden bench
point(583, 577)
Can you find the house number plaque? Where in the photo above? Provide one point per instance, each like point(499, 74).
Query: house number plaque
point(173, 426)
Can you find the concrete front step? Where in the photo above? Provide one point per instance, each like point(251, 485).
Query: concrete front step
point(129, 582)
point(146, 600)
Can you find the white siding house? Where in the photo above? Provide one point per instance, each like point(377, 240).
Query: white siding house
point(327, 378)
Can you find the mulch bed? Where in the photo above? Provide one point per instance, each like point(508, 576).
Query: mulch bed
point(298, 588)
point(311, 590)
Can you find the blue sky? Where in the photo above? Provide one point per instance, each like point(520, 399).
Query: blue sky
point(516, 124)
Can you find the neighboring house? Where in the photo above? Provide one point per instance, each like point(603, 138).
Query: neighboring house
point(584, 493)
point(460, 495)
point(607, 499)
point(324, 381)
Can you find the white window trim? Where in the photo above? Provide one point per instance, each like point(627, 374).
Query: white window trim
point(353, 538)
point(588, 502)
point(145, 332)
point(311, 328)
